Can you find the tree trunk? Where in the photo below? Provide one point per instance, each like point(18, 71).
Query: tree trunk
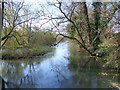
point(1, 21)
point(29, 32)
point(95, 33)
point(1, 25)
point(86, 20)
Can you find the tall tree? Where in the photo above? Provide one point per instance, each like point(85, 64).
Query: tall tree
point(14, 17)
point(0, 22)
point(95, 32)
point(86, 16)
point(81, 22)
point(1, 19)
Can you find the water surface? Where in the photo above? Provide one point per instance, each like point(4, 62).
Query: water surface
point(53, 71)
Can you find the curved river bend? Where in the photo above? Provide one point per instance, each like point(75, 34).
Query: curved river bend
point(50, 71)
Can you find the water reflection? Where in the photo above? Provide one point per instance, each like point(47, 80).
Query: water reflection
point(51, 71)
point(87, 71)
point(45, 72)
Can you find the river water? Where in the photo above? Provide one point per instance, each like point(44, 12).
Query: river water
point(52, 71)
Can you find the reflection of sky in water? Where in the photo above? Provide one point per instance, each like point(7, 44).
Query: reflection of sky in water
point(53, 70)
point(49, 72)
point(46, 72)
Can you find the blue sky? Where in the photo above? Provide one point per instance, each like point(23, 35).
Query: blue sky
point(54, 11)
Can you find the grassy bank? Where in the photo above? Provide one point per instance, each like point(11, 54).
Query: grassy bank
point(25, 52)
point(39, 44)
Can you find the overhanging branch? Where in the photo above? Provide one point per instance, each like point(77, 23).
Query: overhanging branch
point(77, 42)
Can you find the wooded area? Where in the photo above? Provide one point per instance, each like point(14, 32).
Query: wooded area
point(92, 30)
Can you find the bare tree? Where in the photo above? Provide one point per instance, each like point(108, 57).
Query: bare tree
point(79, 40)
point(14, 17)
point(84, 23)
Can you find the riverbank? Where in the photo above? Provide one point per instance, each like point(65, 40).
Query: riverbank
point(81, 59)
point(38, 44)
point(34, 73)
point(23, 53)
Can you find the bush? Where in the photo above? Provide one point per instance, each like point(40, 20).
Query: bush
point(39, 44)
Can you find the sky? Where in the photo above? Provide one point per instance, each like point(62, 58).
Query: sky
point(35, 5)
point(52, 10)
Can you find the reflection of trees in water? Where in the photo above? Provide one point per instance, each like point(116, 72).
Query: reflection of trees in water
point(13, 73)
point(26, 80)
point(61, 71)
point(87, 75)
point(8, 84)
point(86, 78)
point(58, 71)
point(86, 70)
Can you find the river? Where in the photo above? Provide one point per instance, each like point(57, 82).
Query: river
point(52, 71)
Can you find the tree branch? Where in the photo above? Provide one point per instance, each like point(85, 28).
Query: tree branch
point(78, 42)
point(60, 4)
